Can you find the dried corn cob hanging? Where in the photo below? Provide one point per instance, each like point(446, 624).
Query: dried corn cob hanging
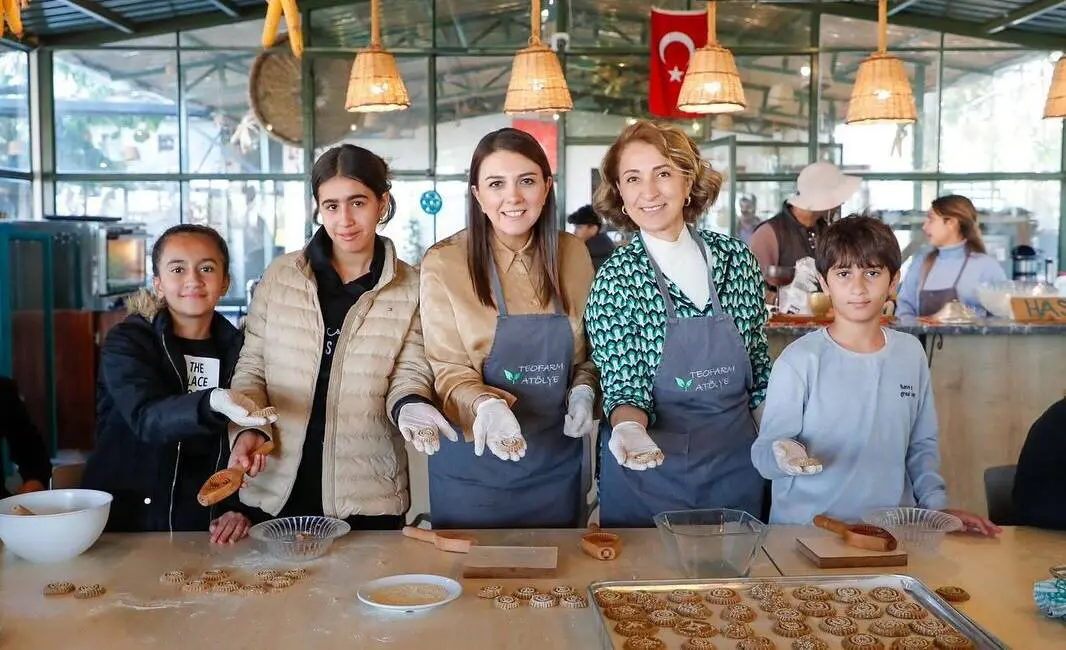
point(275, 10)
point(12, 13)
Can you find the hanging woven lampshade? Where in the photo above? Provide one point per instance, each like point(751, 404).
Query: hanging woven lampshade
point(375, 84)
point(537, 83)
point(882, 93)
point(712, 83)
point(1055, 106)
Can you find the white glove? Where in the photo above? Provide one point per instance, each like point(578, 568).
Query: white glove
point(240, 409)
point(496, 426)
point(806, 277)
point(421, 425)
point(792, 458)
point(578, 421)
point(633, 448)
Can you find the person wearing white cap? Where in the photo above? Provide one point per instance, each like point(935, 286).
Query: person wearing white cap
point(792, 234)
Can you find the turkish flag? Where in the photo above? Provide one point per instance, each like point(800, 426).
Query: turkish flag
point(675, 35)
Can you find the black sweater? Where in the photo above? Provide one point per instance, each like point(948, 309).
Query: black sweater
point(28, 449)
point(1040, 483)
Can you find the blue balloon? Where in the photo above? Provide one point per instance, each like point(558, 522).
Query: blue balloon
point(431, 202)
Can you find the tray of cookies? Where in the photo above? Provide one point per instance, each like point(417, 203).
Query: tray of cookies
point(884, 612)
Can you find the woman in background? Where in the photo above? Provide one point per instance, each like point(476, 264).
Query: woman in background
point(955, 267)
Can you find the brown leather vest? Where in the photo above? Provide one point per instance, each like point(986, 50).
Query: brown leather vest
point(794, 241)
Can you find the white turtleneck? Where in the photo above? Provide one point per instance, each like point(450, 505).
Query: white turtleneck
point(682, 262)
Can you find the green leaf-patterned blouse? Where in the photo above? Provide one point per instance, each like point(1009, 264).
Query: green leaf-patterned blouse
point(626, 318)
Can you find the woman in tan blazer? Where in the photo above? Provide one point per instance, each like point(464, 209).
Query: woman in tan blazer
point(333, 342)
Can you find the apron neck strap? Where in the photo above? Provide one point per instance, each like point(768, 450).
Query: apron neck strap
point(498, 297)
point(660, 279)
point(965, 261)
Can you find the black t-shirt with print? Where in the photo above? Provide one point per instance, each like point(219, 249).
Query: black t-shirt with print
point(336, 300)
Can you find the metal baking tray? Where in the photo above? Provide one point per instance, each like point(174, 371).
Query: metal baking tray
point(913, 587)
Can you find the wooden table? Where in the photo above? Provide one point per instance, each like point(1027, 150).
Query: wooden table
point(322, 612)
point(998, 573)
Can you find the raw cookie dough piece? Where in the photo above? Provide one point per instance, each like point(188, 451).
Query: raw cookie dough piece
point(889, 627)
point(525, 592)
point(788, 614)
point(635, 628)
point(739, 614)
point(848, 595)
point(267, 574)
point(505, 602)
point(639, 597)
point(771, 604)
point(930, 627)
point(807, 592)
point(838, 626)
point(863, 642)
point(543, 601)
point(907, 610)
point(764, 590)
point(214, 575)
point(89, 591)
point(953, 642)
point(606, 597)
point(756, 643)
point(693, 610)
point(664, 617)
point(724, 596)
point(226, 586)
point(913, 643)
point(683, 596)
point(254, 590)
point(737, 631)
point(698, 643)
point(194, 586)
point(644, 643)
point(817, 608)
point(281, 582)
point(58, 588)
point(562, 590)
point(490, 591)
point(953, 594)
point(573, 601)
point(809, 643)
point(173, 578)
point(864, 610)
point(886, 594)
point(691, 628)
point(653, 604)
point(626, 613)
point(791, 629)
point(296, 573)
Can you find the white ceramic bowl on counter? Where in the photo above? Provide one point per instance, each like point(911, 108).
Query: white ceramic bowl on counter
point(66, 523)
point(995, 296)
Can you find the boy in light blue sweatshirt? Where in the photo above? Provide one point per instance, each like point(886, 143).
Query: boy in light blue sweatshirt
point(856, 396)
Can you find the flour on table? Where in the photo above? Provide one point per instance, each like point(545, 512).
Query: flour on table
point(412, 594)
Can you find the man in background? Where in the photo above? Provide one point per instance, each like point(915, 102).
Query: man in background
point(589, 228)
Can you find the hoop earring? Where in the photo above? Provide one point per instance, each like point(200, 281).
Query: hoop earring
point(624, 211)
point(688, 200)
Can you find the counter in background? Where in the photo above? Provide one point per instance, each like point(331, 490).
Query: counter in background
point(991, 381)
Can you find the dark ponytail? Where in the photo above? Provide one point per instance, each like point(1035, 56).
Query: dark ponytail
point(357, 164)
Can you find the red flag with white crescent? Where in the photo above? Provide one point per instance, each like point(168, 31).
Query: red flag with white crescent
point(675, 35)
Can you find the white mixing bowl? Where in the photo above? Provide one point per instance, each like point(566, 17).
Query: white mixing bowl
point(65, 524)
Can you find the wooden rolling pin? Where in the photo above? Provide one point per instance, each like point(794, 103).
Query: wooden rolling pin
point(601, 545)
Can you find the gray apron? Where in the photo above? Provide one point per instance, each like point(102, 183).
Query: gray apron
point(531, 358)
point(702, 424)
point(930, 302)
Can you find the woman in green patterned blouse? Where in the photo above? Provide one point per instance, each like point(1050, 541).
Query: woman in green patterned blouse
point(675, 320)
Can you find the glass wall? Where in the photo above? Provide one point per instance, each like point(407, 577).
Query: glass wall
point(205, 126)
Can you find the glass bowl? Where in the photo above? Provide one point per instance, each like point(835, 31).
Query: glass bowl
point(712, 543)
point(298, 538)
point(995, 296)
point(917, 529)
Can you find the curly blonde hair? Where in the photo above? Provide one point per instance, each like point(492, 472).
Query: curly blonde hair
point(679, 149)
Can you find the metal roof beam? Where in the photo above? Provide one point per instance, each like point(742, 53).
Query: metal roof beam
point(227, 7)
point(101, 14)
point(1034, 40)
point(900, 5)
point(1021, 15)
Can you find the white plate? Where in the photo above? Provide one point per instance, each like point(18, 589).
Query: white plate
point(368, 591)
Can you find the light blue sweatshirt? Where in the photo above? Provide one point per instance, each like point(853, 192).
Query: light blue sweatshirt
point(980, 268)
point(869, 418)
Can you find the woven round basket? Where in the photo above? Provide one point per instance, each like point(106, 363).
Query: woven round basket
point(274, 92)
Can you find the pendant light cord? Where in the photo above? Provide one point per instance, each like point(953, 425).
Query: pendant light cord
point(882, 26)
point(375, 24)
point(534, 24)
point(712, 27)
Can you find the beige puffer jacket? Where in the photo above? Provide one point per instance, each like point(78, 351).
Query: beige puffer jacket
point(381, 362)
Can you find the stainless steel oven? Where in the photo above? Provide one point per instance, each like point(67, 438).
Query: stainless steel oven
point(120, 259)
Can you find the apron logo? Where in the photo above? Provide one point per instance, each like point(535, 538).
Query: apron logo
point(683, 384)
point(513, 377)
point(710, 379)
point(544, 374)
